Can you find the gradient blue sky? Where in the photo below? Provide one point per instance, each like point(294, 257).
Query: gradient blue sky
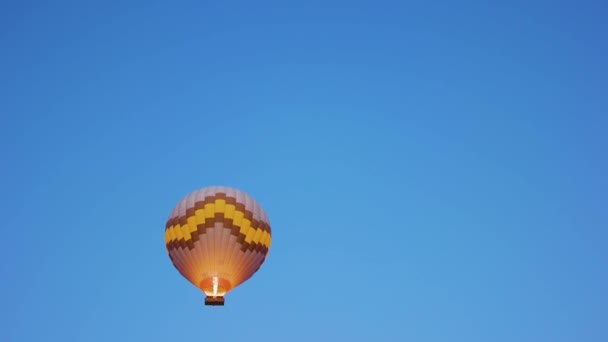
point(433, 171)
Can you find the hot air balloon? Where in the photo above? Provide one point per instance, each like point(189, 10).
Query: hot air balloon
point(217, 238)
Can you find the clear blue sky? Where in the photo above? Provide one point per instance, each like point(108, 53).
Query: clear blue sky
point(433, 171)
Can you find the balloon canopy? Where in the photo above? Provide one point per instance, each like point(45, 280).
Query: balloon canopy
point(217, 238)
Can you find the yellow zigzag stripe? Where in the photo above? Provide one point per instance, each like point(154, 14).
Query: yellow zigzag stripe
point(252, 235)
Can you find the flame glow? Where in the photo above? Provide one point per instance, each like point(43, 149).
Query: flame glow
point(215, 283)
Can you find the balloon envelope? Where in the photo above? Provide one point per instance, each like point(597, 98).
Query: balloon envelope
point(217, 238)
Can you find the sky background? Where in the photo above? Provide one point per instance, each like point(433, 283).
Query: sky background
point(433, 171)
